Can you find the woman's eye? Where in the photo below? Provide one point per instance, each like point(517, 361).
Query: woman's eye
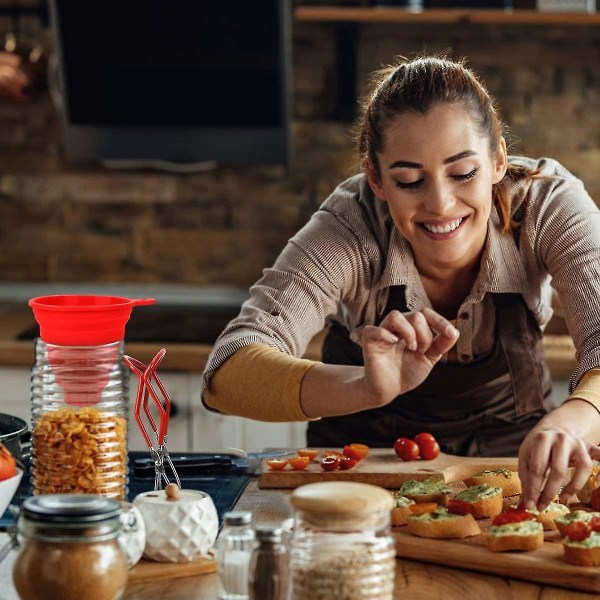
point(466, 176)
point(411, 185)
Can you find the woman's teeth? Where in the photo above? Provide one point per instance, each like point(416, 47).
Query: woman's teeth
point(447, 228)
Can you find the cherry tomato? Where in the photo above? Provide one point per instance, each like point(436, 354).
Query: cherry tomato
point(312, 454)
point(422, 508)
point(333, 453)
point(330, 463)
point(512, 515)
point(406, 449)
point(351, 452)
point(429, 449)
point(8, 466)
point(362, 449)
point(347, 463)
point(277, 464)
point(458, 507)
point(421, 437)
point(578, 531)
point(299, 463)
point(595, 524)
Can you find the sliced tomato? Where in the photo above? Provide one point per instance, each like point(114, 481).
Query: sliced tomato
point(299, 463)
point(332, 453)
point(347, 463)
point(310, 452)
point(595, 524)
point(330, 463)
point(422, 508)
point(512, 515)
point(351, 452)
point(362, 449)
point(577, 531)
point(277, 464)
point(459, 507)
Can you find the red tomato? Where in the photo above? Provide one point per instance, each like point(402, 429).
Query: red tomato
point(8, 466)
point(595, 524)
point(362, 449)
point(332, 453)
point(421, 437)
point(458, 507)
point(347, 463)
point(578, 531)
point(406, 449)
point(351, 452)
point(429, 449)
point(512, 515)
point(330, 463)
point(299, 463)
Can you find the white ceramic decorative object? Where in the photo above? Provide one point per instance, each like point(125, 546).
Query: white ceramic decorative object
point(132, 538)
point(178, 530)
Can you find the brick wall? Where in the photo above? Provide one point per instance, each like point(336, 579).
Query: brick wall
point(61, 222)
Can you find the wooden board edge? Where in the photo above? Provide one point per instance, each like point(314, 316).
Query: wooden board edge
point(149, 570)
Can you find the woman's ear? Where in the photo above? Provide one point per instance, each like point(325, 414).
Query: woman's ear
point(501, 161)
point(374, 181)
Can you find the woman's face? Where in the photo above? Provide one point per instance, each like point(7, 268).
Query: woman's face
point(436, 176)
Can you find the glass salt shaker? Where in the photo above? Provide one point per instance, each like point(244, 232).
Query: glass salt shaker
point(234, 548)
point(342, 546)
point(269, 567)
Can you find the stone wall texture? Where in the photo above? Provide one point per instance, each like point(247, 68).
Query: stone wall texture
point(73, 223)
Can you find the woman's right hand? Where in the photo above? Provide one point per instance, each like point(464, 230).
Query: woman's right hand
point(400, 353)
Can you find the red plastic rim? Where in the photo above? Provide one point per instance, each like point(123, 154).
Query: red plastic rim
point(83, 320)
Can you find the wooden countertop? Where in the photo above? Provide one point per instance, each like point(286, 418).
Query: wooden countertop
point(560, 352)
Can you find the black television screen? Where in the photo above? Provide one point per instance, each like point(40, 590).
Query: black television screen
point(182, 81)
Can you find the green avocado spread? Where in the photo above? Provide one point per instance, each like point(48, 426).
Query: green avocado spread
point(429, 486)
point(439, 514)
point(553, 507)
point(401, 501)
point(577, 515)
point(530, 527)
point(478, 492)
point(592, 541)
point(506, 472)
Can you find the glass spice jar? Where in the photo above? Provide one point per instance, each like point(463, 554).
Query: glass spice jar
point(69, 549)
point(269, 567)
point(79, 403)
point(342, 546)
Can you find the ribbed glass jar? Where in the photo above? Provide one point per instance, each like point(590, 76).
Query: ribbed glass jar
point(342, 546)
point(79, 404)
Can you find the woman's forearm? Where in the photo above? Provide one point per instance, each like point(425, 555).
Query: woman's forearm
point(577, 417)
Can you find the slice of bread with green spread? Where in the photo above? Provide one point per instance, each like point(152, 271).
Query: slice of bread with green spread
point(584, 553)
point(429, 490)
point(584, 495)
point(523, 536)
point(442, 524)
point(505, 479)
point(483, 500)
point(577, 515)
point(548, 516)
point(401, 509)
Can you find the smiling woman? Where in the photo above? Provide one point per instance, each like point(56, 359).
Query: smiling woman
point(433, 267)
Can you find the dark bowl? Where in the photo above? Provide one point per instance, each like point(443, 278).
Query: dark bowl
point(16, 436)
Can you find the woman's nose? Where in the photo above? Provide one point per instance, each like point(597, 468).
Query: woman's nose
point(439, 199)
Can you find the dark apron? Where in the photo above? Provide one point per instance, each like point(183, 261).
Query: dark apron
point(483, 408)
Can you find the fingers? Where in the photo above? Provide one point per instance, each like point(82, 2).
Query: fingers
point(533, 466)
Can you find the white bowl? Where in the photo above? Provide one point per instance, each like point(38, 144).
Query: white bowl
point(8, 487)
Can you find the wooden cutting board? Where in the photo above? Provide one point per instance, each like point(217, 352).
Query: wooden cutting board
point(545, 565)
point(383, 468)
point(149, 570)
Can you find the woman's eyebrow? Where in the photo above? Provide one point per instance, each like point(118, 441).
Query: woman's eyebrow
point(415, 165)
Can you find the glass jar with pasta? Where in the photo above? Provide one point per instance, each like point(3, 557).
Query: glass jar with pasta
point(79, 401)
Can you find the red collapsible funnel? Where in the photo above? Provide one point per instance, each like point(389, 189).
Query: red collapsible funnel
point(74, 320)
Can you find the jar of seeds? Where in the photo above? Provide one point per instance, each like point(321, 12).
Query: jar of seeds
point(342, 546)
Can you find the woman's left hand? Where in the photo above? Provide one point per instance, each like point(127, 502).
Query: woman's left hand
point(546, 455)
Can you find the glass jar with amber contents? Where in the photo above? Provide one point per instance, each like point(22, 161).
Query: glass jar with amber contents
point(342, 546)
point(69, 549)
point(79, 402)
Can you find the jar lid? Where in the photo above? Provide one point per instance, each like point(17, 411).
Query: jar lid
point(342, 498)
point(268, 533)
point(70, 508)
point(237, 517)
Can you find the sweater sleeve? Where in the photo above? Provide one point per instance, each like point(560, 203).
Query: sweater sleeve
point(588, 389)
point(259, 382)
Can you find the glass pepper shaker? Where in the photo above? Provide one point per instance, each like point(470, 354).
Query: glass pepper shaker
point(342, 546)
point(269, 568)
point(234, 547)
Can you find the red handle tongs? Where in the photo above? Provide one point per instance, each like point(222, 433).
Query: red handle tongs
point(147, 379)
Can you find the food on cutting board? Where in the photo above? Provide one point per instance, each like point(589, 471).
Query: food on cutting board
point(525, 536)
point(505, 479)
point(312, 453)
point(585, 493)
point(401, 509)
point(581, 543)
point(441, 523)
point(548, 516)
point(575, 516)
point(479, 500)
point(423, 446)
point(429, 490)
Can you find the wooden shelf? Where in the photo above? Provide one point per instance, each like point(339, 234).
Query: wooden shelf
point(474, 17)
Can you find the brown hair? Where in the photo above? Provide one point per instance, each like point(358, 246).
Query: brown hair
point(418, 85)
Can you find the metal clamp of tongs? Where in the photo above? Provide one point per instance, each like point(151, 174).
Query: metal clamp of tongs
point(148, 378)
